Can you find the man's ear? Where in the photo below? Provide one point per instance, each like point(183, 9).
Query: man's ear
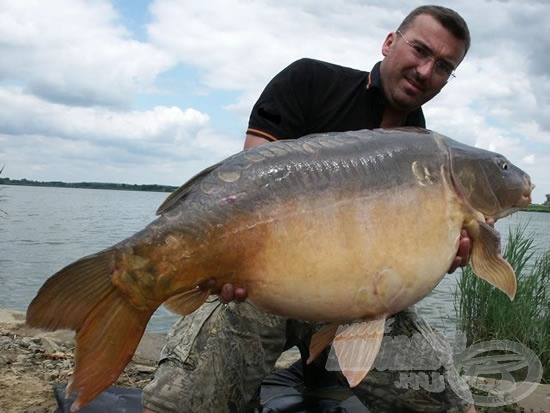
point(390, 39)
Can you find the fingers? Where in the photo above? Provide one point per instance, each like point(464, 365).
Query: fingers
point(465, 248)
point(241, 294)
point(454, 265)
point(463, 253)
point(229, 293)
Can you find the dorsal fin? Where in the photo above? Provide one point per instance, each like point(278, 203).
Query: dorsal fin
point(180, 193)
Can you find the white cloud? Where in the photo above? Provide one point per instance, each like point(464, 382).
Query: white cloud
point(75, 83)
point(535, 133)
point(75, 52)
point(168, 125)
point(241, 45)
point(51, 137)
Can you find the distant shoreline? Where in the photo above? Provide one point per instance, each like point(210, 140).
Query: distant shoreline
point(153, 188)
point(537, 208)
point(90, 185)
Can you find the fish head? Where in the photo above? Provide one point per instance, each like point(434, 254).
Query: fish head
point(488, 182)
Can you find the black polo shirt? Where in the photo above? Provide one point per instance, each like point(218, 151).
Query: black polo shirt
point(311, 96)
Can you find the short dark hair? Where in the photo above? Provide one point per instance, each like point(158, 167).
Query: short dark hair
point(449, 19)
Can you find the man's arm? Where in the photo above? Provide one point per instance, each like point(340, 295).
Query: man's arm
point(253, 140)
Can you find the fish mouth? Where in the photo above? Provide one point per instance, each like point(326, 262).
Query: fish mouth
point(526, 199)
point(523, 202)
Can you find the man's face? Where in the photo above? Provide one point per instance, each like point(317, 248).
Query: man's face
point(409, 78)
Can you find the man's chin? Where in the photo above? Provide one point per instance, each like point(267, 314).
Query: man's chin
point(407, 103)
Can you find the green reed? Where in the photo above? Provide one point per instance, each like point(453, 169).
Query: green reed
point(485, 313)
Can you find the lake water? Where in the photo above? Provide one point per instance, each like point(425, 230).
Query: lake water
point(44, 229)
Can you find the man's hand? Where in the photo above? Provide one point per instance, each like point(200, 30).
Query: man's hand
point(465, 248)
point(463, 253)
point(227, 293)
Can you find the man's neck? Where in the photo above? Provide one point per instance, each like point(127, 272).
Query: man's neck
point(393, 118)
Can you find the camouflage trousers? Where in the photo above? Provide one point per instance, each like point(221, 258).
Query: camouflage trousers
point(216, 358)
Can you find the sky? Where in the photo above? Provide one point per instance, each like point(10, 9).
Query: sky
point(152, 92)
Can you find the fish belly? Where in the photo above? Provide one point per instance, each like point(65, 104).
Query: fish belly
point(356, 258)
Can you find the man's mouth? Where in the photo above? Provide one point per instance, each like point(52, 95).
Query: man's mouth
point(415, 84)
point(411, 78)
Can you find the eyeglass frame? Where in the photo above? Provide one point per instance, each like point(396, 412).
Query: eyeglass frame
point(424, 54)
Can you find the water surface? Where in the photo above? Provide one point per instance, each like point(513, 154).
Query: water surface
point(43, 229)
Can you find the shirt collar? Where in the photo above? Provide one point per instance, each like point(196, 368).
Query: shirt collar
point(374, 80)
point(374, 86)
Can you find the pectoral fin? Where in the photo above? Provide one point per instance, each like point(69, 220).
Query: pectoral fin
point(355, 345)
point(188, 301)
point(488, 264)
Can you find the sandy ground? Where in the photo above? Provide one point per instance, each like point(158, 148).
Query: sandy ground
point(32, 361)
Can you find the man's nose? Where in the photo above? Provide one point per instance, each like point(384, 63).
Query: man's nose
point(426, 68)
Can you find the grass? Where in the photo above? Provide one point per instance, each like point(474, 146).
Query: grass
point(484, 313)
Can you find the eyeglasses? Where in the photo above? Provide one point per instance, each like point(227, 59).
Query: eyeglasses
point(442, 68)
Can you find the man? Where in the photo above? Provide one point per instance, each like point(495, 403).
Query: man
point(216, 358)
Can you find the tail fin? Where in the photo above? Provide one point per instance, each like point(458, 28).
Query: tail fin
point(81, 297)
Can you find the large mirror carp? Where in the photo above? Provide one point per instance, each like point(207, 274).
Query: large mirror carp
point(344, 228)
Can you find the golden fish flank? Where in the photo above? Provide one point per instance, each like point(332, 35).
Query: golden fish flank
point(335, 227)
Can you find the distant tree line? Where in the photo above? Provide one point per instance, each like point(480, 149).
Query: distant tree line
point(161, 188)
point(89, 185)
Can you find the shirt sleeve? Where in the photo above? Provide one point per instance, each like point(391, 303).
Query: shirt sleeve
point(280, 112)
